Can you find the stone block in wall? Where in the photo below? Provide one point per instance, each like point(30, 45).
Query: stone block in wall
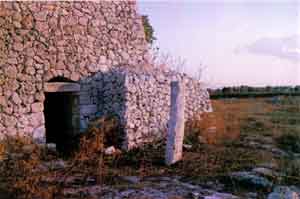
point(39, 134)
point(85, 98)
point(83, 124)
point(37, 107)
point(36, 119)
point(88, 109)
point(85, 87)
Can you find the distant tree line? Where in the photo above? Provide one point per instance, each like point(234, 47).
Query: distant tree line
point(249, 91)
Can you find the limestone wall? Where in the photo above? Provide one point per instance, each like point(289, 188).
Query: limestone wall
point(43, 40)
point(148, 103)
point(103, 94)
point(141, 100)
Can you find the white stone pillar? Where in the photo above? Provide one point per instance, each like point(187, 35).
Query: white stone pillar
point(176, 124)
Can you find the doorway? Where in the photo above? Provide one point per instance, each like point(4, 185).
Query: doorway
point(61, 110)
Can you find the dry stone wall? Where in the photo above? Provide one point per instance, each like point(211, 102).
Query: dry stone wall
point(102, 94)
point(148, 103)
point(141, 101)
point(43, 40)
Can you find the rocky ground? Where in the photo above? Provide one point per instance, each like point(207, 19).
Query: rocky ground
point(266, 180)
point(261, 181)
point(274, 174)
point(262, 163)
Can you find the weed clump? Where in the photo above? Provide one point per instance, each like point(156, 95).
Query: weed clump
point(21, 171)
point(28, 171)
point(289, 142)
point(90, 157)
point(290, 169)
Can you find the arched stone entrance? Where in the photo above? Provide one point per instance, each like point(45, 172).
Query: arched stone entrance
point(61, 109)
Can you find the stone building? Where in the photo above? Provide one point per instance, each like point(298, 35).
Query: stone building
point(63, 64)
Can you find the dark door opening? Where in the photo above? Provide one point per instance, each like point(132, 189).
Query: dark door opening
point(61, 119)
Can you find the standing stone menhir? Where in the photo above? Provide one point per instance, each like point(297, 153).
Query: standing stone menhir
point(176, 124)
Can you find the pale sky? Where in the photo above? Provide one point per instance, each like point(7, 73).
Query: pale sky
point(249, 42)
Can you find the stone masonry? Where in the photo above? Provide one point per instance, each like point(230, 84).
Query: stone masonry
point(141, 100)
point(88, 43)
point(43, 40)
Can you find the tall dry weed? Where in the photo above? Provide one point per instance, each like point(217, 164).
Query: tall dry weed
point(21, 173)
point(25, 171)
point(89, 160)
